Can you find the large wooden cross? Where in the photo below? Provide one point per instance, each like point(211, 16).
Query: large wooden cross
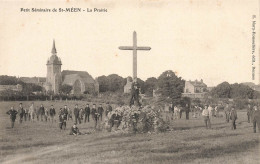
point(134, 48)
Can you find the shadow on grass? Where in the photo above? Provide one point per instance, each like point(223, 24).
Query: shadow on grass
point(211, 152)
point(210, 137)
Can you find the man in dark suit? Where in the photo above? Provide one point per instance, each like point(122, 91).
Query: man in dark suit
point(52, 112)
point(42, 112)
point(76, 114)
point(87, 113)
point(12, 112)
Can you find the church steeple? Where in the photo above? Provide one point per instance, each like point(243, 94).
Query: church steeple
point(53, 51)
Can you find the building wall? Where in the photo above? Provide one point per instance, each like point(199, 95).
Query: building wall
point(189, 88)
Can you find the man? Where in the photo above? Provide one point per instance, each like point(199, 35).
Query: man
point(74, 130)
point(108, 109)
point(115, 119)
point(42, 112)
point(210, 111)
point(205, 114)
point(69, 113)
point(31, 112)
point(66, 111)
point(227, 111)
point(100, 111)
point(134, 94)
point(21, 113)
point(76, 114)
point(46, 114)
point(26, 114)
point(187, 111)
point(249, 113)
point(233, 118)
point(52, 113)
point(95, 114)
point(37, 113)
point(62, 119)
point(12, 112)
point(256, 118)
point(87, 113)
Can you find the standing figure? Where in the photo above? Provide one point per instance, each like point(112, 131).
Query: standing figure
point(62, 119)
point(180, 111)
point(134, 95)
point(12, 112)
point(26, 114)
point(108, 109)
point(233, 118)
point(31, 112)
point(46, 114)
point(69, 113)
point(100, 111)
point(256, 118)
point(187, 111)
point(210, 111)
point(21, 112)
point(87, 113)
point(171, 110)
point(81, 113)
point(42, 112)
point(52, 113)
point(76, 114)
point(95, 114)
point(205, 114)
point(37, 113)
point(216, 111)
point(227, 112)
point(249, 113)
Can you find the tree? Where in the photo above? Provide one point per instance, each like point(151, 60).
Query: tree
point(221, 91)
point(103, 83)
point(169, 85)
point(149, 85)
point(8, 80)
point(66, 89)
point(115, 83)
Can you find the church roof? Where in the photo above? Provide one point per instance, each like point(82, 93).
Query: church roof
point(54, 59)
point(69, 77)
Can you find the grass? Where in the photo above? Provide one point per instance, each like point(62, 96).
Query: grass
point(188, 141)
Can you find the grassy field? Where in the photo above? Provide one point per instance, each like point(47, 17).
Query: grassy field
point(187, 142)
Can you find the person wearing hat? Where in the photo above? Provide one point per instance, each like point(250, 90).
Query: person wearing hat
point(87, 113)
point(76, 114)
point(95, 114)
point(62, 119)
point(100, 111)
point(74, 130)
point(205, 114)
point(12, 112)
point(233, 118)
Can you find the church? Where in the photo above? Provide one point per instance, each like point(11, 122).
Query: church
point(81, 81)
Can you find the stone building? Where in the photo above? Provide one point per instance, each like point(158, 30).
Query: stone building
point(194, 89)
point(17, 87)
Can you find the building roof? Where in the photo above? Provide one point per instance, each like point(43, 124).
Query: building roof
point(197, 83)
point(54, 59)
point(69, 77)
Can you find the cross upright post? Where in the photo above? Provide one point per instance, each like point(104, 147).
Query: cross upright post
point(134, 48)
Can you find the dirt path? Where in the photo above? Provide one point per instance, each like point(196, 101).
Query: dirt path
point(27, 158)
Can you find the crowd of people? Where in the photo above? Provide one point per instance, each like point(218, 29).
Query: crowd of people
point(79, 115)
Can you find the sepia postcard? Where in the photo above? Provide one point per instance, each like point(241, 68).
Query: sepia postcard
point(140, 81)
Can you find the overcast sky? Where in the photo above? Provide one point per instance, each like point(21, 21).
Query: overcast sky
point(209, 40)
